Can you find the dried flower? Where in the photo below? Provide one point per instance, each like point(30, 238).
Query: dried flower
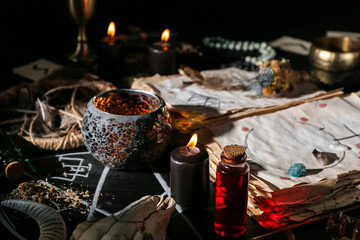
point(44, 192)
point(274, 77)
point(263, 79)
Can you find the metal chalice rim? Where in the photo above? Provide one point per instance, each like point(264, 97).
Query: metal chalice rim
point(126, 90)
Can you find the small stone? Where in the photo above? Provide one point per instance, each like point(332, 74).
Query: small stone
point(320, 157)
point(206, 41)
point(325, 158)
point(263, 45)
point(238, 46)
point(231, 45)
point(245, 46)
point(297, 170)
point(225, 45)
point(272, 53)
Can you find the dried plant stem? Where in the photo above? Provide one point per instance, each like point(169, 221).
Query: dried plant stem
point(61, 88)
point(66, 113)
point(31, 127)
point(70, 137)
point(72, 104)
point(12, 121)
point(22, 130)
point(17, 110)
point(66, 139)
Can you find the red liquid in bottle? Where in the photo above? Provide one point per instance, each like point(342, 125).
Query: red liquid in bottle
point(231, 199)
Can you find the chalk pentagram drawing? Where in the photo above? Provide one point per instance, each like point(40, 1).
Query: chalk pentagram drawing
point(204, 100)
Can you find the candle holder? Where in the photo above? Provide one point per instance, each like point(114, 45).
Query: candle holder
point(126, 128)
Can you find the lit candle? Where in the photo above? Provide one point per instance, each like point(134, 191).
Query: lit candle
point(109, 62)
point(110, 39)
point(162, 56)
point(189, 174)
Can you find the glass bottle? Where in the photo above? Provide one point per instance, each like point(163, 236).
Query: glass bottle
point(231, 194)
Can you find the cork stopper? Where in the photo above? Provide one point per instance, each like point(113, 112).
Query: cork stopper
point(234, 154)
point(14, 170)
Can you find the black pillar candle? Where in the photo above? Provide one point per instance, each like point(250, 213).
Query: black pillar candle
point(110, 59)
point(162, 56)
point(189, 176)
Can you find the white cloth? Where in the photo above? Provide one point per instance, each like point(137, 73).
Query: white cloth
point(276, 141)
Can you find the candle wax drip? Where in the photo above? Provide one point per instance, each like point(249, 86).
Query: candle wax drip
point(164, 46)
point(110, 40)
point(189, 151)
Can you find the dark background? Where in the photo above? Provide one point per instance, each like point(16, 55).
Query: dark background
point(44, 29)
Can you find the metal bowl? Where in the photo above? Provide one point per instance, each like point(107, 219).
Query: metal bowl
point(335, 53)
point(130, 140)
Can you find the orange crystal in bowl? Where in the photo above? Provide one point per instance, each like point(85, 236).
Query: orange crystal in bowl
point(126, 128)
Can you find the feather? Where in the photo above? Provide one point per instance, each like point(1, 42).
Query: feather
point(44, 125)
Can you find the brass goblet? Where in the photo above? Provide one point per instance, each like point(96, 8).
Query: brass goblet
point(82, 11)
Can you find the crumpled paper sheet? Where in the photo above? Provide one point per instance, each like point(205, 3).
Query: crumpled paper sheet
point(276, 141)
point(272, 214)
point(194, 106)
point(176, 92)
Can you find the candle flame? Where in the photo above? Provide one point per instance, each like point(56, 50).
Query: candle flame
point(111, 30)
point(165, 35)
point(193, 141)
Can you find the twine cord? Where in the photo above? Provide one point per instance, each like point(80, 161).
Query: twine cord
point(68, 138)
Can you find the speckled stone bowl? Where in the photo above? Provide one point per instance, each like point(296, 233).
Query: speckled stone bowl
point(121, 141)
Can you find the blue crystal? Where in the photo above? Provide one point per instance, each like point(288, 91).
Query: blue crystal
point(297, 170)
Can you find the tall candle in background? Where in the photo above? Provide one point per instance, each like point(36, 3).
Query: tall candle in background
point(189, 174)
point(110, 60)
point(162, 56)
